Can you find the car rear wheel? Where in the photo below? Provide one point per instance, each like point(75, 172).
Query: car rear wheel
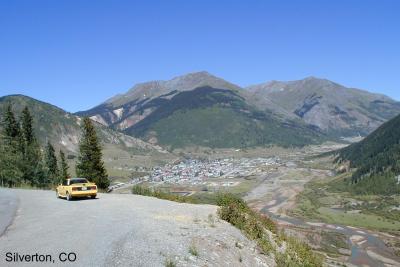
point(93, 197)
point(69, 198)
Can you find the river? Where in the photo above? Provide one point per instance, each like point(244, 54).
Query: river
point(367, 249)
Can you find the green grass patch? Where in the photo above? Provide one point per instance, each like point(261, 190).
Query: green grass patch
point(169, 263)
point(358, 219)
point(317, 200)
point(193, 250)
point(144, 191)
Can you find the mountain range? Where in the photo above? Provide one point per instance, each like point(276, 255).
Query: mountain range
point(202, 109)
point(333, 108)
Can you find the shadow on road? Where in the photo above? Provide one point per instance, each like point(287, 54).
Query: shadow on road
point(80, 199)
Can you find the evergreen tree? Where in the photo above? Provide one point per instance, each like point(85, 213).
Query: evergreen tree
point(40, 175)
point(10, 150)
point(63, 167)
point(11, 129)
point(51, 164)
point(10, 162)
point(27, 127)
point(33, 172)
point(90, 164)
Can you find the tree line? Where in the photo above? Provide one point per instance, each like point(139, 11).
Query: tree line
point(23, 162)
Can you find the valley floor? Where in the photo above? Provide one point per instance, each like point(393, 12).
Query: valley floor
point(295, 196)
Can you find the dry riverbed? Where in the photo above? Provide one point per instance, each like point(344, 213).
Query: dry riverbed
point(277, 196)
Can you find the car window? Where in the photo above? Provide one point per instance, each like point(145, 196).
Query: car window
point(78, 181)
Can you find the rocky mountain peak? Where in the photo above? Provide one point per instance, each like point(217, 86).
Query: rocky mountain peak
point(156, 88)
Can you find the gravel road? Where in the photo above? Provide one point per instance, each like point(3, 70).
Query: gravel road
point(118, 230)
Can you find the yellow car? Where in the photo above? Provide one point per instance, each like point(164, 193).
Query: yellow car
point(76, 187)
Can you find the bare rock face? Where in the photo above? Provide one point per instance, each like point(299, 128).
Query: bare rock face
point(344, 167)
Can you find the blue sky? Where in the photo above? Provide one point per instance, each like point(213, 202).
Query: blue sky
point(76, 54)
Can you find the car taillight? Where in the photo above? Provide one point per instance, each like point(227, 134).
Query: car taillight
point(75, 188)
point(94, 187)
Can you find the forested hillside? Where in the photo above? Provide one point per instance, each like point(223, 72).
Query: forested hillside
point(212, 117)
point(62, 128)
point(24, 162)
point(376, 159)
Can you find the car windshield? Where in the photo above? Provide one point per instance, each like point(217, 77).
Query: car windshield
point(78, 181)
